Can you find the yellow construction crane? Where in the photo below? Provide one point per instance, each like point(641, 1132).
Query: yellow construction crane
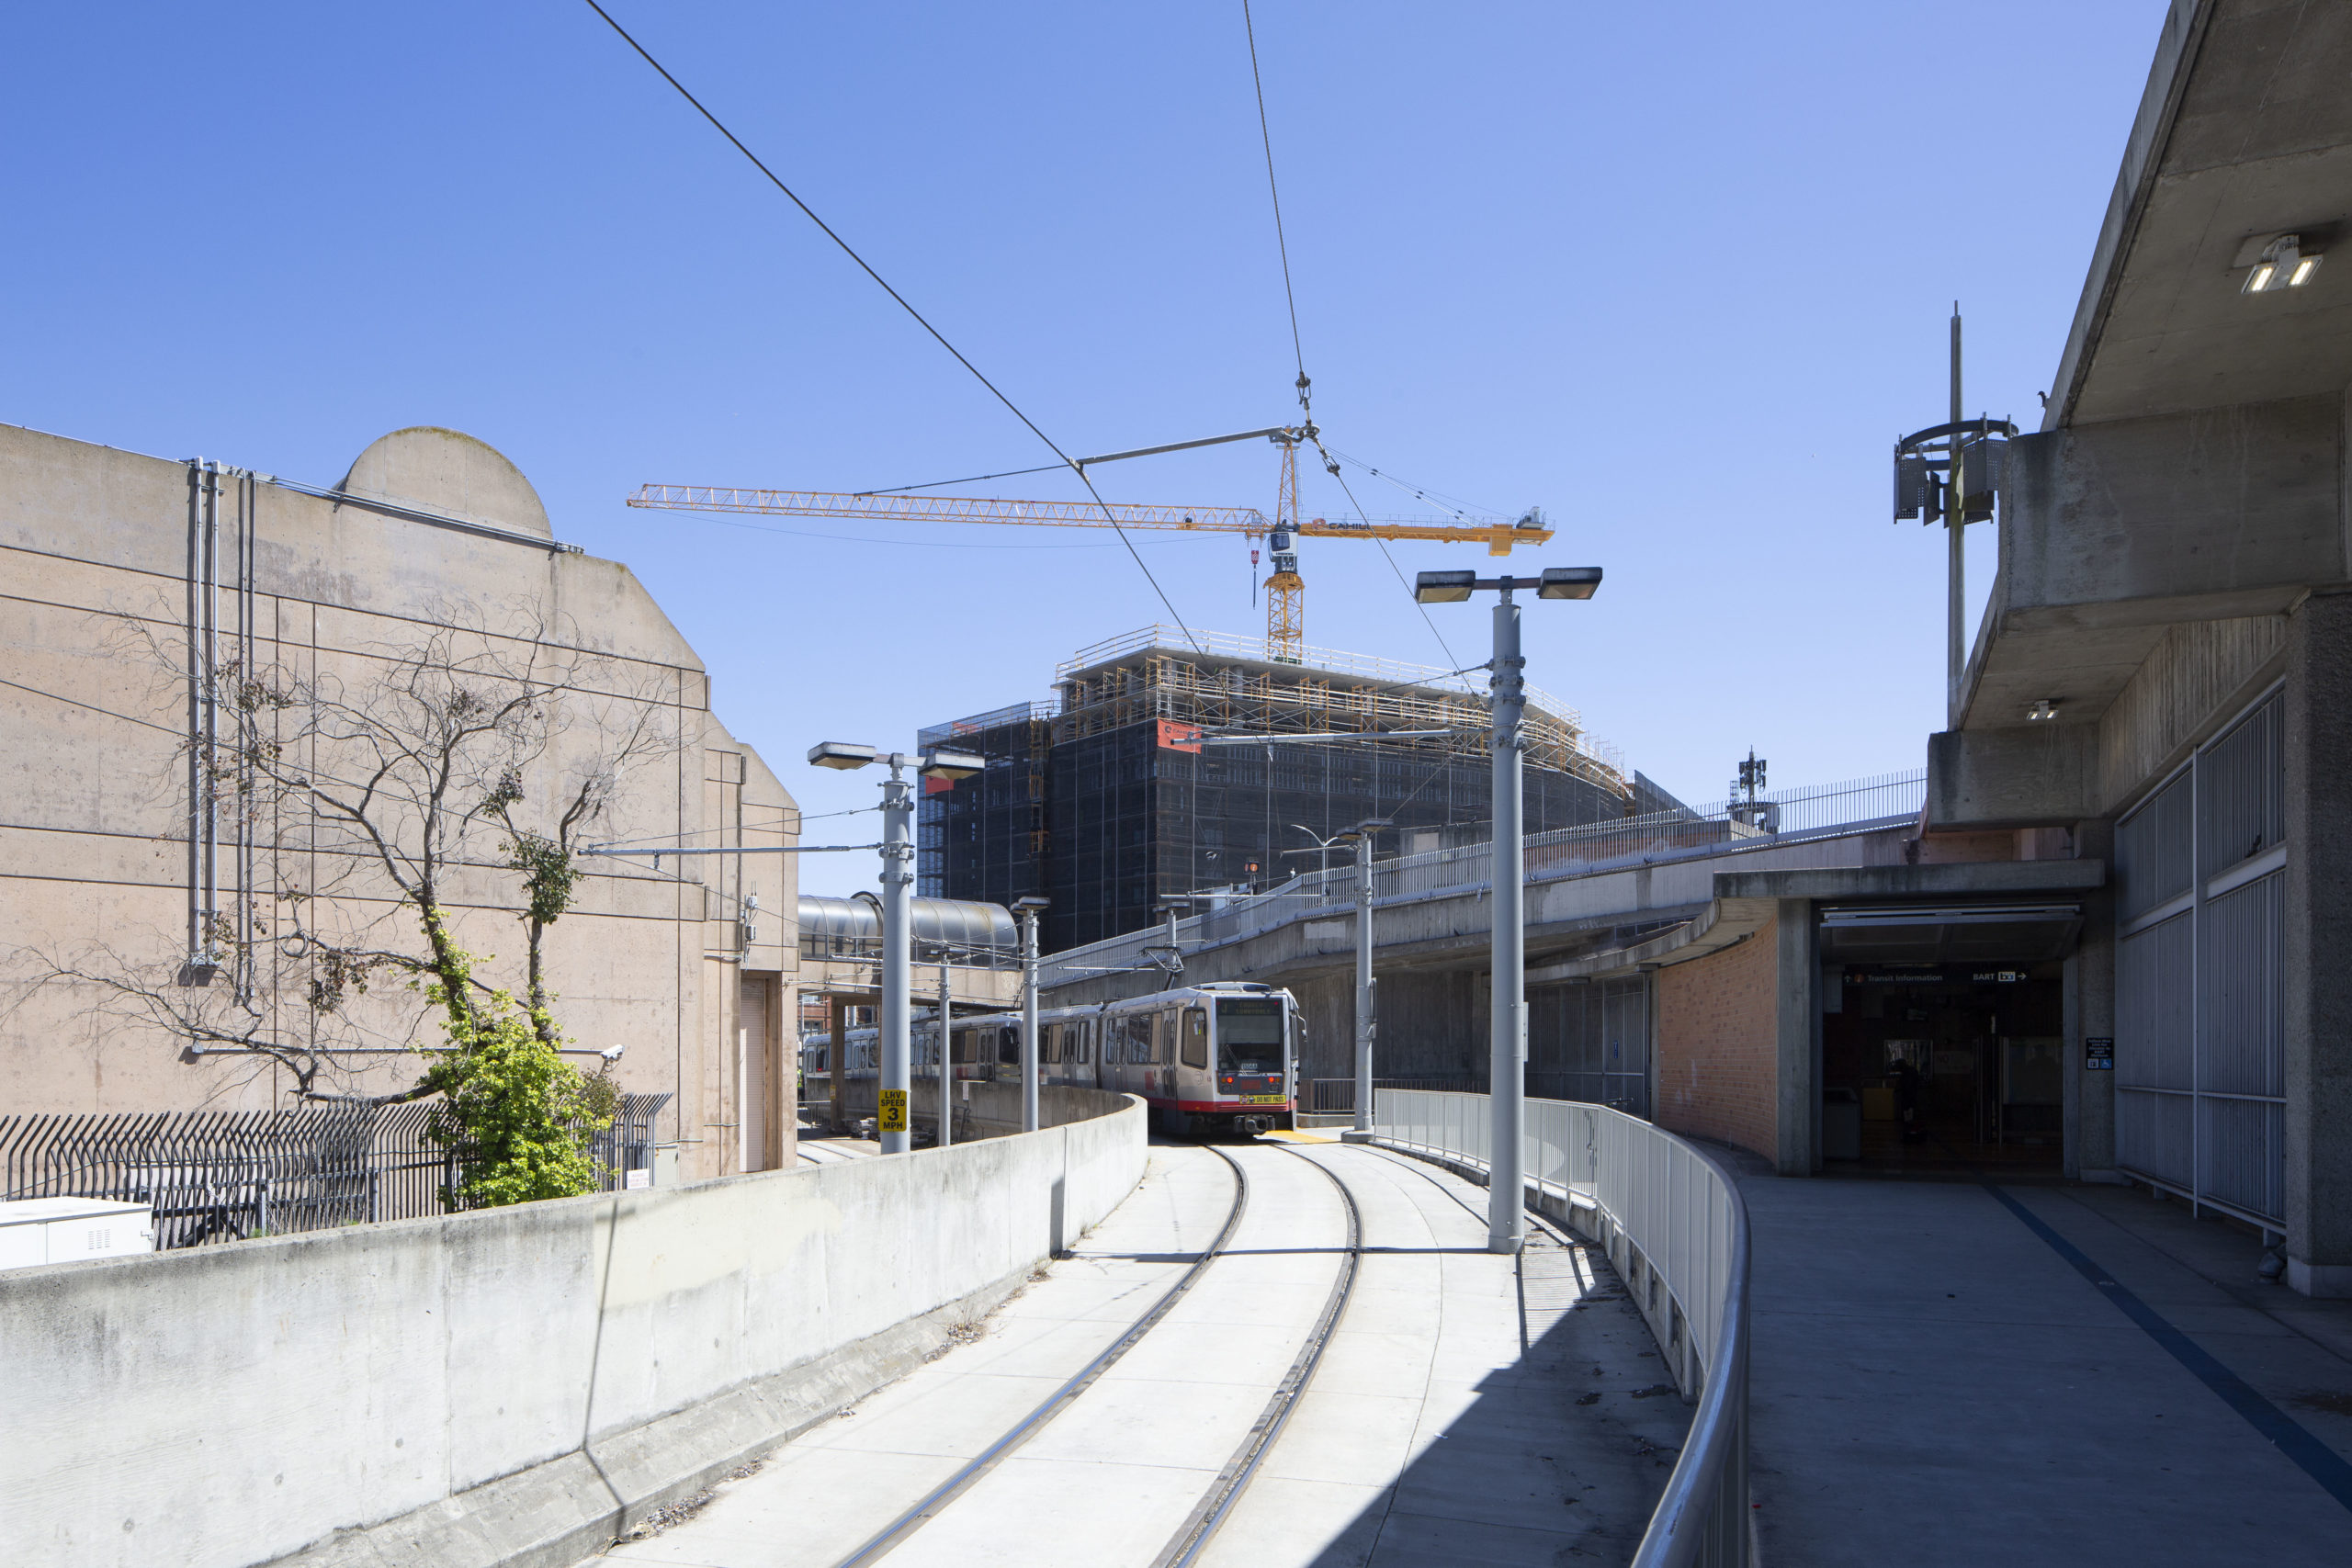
point(1285, 592)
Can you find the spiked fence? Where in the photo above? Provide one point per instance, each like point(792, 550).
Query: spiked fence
point(227, 1174)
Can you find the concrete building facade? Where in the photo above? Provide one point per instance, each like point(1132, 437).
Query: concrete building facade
point(170, 634)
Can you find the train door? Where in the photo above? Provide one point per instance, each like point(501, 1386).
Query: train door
point(1192, 1057)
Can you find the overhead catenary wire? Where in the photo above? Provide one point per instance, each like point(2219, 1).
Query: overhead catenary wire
point(1281, 245)
point(1298, 350)
point(920, 320)
point(969, 479)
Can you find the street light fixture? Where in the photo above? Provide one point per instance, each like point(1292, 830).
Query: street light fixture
point(890, 1117)
point(1443, 587)
point(1506, 1045)
point(1568, 582)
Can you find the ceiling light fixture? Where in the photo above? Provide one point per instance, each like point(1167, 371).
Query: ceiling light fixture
point(2046, 708)
point(2283, 263)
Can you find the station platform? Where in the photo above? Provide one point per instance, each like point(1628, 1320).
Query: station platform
point(1957, 1372)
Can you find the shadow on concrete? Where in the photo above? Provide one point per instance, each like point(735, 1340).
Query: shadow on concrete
point(1559, 1457)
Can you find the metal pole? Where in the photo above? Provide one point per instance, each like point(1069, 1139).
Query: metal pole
point(898, 877)
point(1956, 539)
point(1365, 1025)
point(835, 1065)
point(946, 1062)
point(1506, 1048)
point(1028, 1020)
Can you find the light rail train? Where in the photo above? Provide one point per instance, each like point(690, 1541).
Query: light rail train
point(1213, 1059)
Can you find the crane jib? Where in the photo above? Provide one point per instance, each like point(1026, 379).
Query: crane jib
point(1497, 536)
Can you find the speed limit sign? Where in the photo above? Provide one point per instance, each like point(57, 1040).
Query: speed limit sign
point(893, 1115)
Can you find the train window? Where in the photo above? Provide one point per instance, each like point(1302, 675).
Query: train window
point(1008, 1046)
point(1085, 1044)
point(1196, 1038)
point(1138, 1038)
point(1049, 1043)
point(1249, 1035)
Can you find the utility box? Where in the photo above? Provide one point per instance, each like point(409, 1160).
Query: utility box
point(66, 1230)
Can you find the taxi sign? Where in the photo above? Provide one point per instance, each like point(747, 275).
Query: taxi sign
point(893, 1117)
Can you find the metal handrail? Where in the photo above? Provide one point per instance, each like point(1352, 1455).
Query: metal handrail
point(1637, 1177)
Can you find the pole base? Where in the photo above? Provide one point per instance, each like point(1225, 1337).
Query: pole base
point(1352, 1137)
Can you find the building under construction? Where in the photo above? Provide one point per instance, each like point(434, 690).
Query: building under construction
point(1172, 766)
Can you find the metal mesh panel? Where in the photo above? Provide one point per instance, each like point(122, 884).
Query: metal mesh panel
point(2152, 851)
point(2200, 1039)
point(2241, 791)
point(2155, 1047)
point(2154, 1135)
point(2241, 1154)
point(2241, 990)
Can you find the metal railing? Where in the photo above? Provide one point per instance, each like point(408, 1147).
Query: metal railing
point(1330, 1096)
point(228, 1175)
point(1677, 1231)
point(1802, 816)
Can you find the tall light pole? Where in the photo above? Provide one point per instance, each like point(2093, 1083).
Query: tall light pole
point(898, 880)
point(946, 1057)
point(1367, 1019)
point(1028, 909)
point(1507, 1043)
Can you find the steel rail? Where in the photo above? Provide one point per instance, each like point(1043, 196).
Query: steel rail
point(1216, 1505)
point(955, 1486)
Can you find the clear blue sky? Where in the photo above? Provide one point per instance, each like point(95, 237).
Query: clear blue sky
point(1678, 274)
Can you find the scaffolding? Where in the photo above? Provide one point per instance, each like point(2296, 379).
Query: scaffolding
point(1107, 802)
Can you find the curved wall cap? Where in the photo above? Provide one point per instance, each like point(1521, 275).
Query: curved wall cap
point(446, 471)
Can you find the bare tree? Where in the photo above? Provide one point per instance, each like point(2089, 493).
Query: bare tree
point(392, 788)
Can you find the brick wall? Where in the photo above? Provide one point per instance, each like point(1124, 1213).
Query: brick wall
point(1717, 1056)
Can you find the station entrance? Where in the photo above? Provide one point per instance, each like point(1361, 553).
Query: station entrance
point(1943, 1067)
point(1942, 1038)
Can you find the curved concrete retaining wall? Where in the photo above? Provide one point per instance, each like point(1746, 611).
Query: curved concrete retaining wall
point(511, 1387)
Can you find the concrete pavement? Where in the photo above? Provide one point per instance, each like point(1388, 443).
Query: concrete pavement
point(1937, 1382)
point(1466, 1410)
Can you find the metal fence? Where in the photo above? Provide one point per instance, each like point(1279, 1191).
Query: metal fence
point(1333, 1096)
point(228, 1175)
point(1677, 1231)
point(1722, 827)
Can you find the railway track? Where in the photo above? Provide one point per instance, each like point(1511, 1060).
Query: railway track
point(1232, 1480)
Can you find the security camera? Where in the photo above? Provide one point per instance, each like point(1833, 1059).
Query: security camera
point(613, 1054)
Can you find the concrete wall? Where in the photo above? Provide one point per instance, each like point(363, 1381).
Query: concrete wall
point(2113, 521)
point(507, 1387)
point(100, 567)
point(1718, 1050)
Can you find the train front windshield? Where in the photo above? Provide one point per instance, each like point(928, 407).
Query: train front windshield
point(1250, 1036)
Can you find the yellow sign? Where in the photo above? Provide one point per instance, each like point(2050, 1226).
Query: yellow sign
point(893, 1118)
point(1264, 1100)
